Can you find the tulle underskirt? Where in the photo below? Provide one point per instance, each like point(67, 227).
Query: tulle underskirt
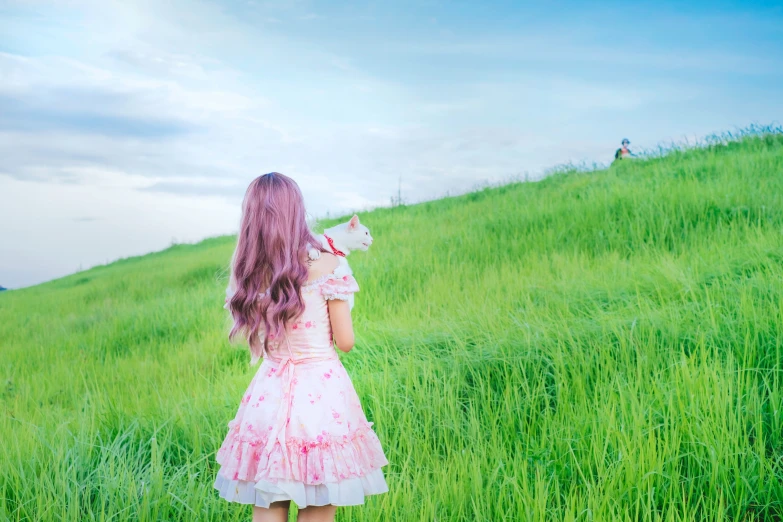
point(346, 492)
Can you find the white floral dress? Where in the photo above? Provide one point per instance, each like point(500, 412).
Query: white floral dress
point(300, 433)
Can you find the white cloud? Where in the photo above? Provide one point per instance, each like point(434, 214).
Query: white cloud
point(47, 233)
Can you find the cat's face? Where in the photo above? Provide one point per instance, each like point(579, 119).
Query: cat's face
point(356, 236)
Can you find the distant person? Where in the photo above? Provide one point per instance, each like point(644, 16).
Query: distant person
point(300, 433)
point(623, 152)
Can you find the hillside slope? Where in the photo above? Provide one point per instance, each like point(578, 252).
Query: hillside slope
point(594, 346)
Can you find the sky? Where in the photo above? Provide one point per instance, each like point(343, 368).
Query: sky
point(126, 126)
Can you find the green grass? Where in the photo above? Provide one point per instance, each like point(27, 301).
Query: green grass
point(595, 346)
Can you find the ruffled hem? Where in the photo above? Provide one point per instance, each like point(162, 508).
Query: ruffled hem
point(309, 462)
point(347, 492)
point(338, 287)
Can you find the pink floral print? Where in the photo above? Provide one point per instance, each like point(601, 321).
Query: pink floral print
point(300, 419)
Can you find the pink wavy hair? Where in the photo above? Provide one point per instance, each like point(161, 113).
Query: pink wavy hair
point(269, 265)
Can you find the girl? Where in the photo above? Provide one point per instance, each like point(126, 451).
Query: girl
point(300, 433)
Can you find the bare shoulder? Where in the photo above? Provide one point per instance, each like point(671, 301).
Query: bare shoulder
point(322, 266)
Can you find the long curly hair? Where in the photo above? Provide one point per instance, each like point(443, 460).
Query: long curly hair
point(269, 265)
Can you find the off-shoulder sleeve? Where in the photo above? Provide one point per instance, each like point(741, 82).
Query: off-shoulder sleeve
point(336, 287)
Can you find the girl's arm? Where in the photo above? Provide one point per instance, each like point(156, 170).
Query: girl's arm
point(339, 309)
point(342, 327)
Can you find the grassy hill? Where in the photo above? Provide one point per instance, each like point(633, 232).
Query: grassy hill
point(595, 346)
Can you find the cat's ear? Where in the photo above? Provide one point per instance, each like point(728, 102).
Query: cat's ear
point(353, 223)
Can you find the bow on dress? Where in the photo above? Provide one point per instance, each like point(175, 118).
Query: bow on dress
point(286, 370)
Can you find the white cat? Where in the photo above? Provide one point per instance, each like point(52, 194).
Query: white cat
point(341, 240)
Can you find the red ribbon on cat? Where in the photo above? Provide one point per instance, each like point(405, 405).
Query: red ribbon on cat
point(334, 249)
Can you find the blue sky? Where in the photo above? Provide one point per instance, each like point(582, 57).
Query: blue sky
point(127, 125)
